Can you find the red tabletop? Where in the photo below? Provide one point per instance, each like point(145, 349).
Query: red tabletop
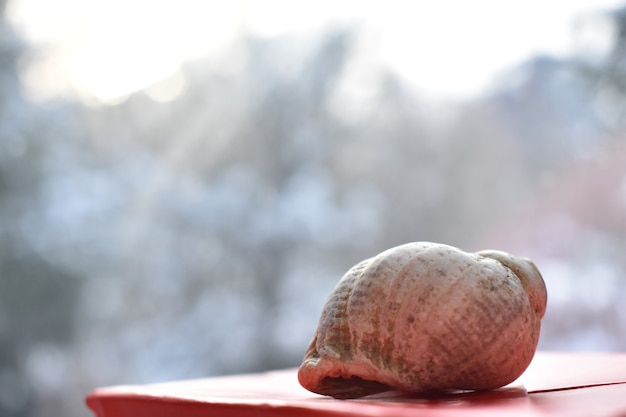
point(555, 384)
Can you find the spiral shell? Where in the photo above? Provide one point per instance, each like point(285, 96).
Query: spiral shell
point(426, 317)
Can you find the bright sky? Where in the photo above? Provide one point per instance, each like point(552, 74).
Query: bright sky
point(105, 50)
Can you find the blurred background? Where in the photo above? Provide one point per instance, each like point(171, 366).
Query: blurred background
point(182, 183)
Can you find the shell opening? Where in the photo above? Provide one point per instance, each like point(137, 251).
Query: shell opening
point(352, 387)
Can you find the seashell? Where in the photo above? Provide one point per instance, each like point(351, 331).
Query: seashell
point(426, 317)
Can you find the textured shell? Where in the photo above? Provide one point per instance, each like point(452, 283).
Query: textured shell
point(424, 317)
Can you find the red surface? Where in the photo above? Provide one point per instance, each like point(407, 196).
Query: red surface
point(555, 384)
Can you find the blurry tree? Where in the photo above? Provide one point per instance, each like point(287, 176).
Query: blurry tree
point(549, 110)
point(37, 296)
point(605, 76)
point(285, 115)
point(231, 178)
